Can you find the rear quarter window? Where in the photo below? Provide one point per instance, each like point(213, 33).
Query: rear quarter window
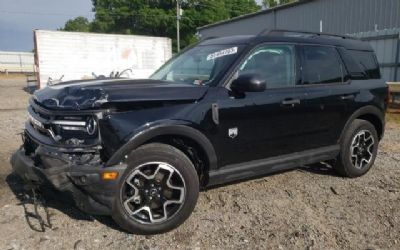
point(367, 62)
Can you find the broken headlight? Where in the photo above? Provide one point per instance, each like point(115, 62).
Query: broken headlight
point(88, 125)
point(76, 130)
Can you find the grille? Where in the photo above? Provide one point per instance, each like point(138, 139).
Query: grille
point(61, 129)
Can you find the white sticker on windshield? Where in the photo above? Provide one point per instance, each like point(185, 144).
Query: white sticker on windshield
point(222, 53)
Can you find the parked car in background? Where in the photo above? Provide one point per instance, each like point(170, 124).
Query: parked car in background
point(223, 110)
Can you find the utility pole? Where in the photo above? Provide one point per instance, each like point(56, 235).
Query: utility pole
point(178, 18)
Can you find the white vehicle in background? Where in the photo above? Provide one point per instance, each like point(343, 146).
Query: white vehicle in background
point(78, 56)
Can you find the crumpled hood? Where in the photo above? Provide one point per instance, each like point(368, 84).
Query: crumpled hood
point(78, 95)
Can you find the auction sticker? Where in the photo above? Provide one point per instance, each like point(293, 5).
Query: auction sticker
point(221, 53)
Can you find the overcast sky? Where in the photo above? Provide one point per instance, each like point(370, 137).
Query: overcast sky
point(18, 18)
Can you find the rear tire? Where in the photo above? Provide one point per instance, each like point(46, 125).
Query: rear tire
point(157, 174)
point(359, 147)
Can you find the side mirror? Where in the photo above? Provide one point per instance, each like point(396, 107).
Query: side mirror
point(248, 83)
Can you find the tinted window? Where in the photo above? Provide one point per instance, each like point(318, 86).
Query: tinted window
point(367, 62)
point(200, 65)
point(196, 66)
point(321, 65)
point(353, 67)
point(275, 63)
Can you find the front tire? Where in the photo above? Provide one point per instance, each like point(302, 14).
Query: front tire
point(359, 147)
point(157, 192)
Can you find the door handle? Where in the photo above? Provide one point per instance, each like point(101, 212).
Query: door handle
point(290, 102)
point(347, 97)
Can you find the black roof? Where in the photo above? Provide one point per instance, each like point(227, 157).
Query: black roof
point(293, 37)
point(245, 39)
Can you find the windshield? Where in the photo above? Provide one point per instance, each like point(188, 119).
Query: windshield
point(199, 65)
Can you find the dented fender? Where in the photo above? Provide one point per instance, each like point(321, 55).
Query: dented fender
point(171, 127)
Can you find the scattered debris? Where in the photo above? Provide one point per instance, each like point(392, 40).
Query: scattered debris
point(334, 191)
point(32, 196)
point(77, 243)
point(289, 193)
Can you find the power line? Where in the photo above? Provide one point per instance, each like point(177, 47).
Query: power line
point(97, 13)
point(93, 13)
point(43, 13)
point(105, 14)
point(213, 6)
point(81, 14)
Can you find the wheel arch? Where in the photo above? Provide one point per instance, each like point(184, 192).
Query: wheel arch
point(368, 113)
point(173, 135)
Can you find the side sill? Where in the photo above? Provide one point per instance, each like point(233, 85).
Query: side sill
point(261, 167)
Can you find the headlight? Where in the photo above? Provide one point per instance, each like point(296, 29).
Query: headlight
point(70, 123)
point(67, 123)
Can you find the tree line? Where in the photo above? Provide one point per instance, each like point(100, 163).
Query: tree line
point(158, 17)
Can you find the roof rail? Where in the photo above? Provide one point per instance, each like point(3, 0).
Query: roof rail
point(208, 38)
point(296, 33)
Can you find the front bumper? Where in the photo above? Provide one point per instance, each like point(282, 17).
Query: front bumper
point(83, 183)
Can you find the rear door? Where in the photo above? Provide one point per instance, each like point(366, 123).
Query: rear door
point(325, 93)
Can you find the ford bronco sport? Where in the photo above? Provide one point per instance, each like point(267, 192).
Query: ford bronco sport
point(225, 109)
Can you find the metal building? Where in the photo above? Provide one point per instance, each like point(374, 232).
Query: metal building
point(332, 16)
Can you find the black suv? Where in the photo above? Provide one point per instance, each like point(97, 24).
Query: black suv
point(225, 109)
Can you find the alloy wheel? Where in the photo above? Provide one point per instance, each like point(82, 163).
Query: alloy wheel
point(362, 148)
point(153, 193)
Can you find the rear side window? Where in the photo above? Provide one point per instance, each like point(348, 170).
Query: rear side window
point(321, 65)
point(367, 62)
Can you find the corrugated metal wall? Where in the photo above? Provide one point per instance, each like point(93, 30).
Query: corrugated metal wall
point(341, 16)
point(16, 62)
point(386, 44)
point(337, 16)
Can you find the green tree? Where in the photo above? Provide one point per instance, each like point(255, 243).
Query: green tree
point(273, 3)
point(80, 24)
point(240, 7)
point(158, 17)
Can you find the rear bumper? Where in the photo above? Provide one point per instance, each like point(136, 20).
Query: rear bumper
point(90, 193)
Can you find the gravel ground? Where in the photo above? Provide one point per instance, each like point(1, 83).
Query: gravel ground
point(309, 208)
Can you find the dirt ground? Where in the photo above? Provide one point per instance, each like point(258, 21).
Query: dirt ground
point(309, 208)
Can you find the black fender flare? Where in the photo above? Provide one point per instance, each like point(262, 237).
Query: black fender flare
point(171, 129)
point(366, 110)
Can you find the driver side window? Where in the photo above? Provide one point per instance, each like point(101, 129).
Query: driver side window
point(274, 63)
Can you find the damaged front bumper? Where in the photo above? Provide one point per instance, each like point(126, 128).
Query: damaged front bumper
point(82, 181)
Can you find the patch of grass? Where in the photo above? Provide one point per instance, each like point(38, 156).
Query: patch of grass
point(12, 75)
point(393, 118)
point(394, 87)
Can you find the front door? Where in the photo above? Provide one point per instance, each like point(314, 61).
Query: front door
point(259, 125)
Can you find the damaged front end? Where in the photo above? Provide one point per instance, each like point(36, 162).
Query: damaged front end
point(63, 148)
point(74, 129)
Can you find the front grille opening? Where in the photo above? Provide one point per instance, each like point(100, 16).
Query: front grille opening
point(70, 130)
point(29, 145)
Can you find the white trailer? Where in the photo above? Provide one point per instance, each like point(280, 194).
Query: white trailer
point(76, 55)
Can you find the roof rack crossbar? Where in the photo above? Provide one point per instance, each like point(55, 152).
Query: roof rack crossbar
point(267, 32)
